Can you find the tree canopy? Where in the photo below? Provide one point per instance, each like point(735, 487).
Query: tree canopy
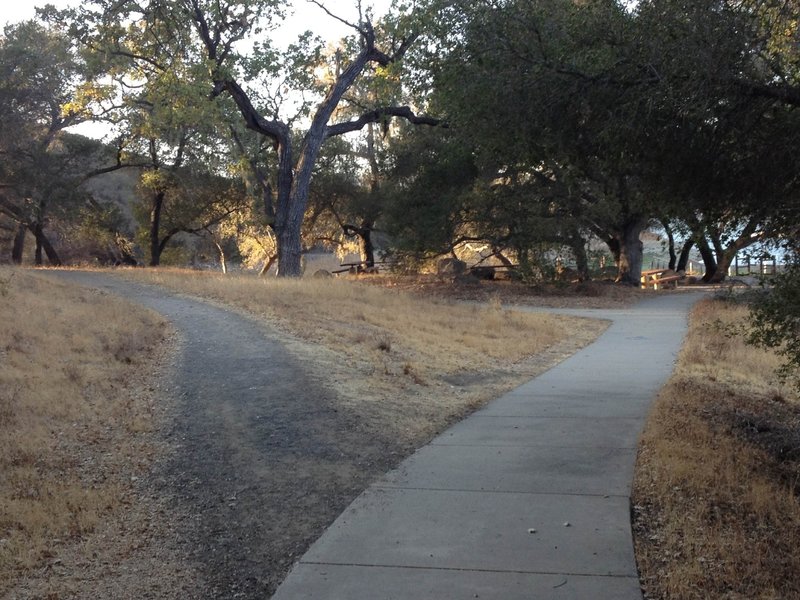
point(622, 114)
point(557, 121)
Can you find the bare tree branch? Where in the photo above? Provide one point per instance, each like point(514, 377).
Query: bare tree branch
point(359, 29)
point(378, 115)
point(111, 169)
point(275, 130)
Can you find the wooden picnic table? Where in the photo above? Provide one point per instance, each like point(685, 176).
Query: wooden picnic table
point(653, 277)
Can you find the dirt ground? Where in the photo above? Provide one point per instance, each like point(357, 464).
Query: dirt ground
point(238, 488)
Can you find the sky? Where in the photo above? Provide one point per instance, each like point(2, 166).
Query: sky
point(306, 16)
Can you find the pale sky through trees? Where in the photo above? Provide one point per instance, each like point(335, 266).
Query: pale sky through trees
point(306, 16)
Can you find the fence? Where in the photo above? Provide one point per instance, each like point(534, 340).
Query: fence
point(746, 265)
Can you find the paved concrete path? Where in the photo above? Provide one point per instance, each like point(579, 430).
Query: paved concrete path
point(529, 498)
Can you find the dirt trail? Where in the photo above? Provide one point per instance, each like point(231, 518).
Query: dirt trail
point(260, 440)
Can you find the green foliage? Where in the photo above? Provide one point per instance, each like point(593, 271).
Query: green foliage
point(46, 86)
point(192, 201)
point(431, 175)
point(776, 319)
point(618, 114)
point(566, 118)
point(528, 88)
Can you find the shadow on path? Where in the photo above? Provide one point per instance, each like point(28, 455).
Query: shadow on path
point(259, 443)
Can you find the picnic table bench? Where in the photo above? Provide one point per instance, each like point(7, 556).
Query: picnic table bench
point(659, 278)
point(358, 267)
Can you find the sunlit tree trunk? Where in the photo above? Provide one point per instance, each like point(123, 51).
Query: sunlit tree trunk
point(267, 265)
point(294, 178)
point(221, 252)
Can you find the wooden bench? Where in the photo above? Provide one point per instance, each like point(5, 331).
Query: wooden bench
point(669, 280)
point(356, 268)
point(648, 276)
point(658, 280)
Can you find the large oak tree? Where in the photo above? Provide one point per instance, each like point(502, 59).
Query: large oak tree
point(231, 41)
point(683, 110)
point(45, 88)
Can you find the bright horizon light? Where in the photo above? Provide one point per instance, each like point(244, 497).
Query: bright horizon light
point(305, 16)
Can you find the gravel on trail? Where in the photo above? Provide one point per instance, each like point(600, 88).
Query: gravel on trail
point(264, 458)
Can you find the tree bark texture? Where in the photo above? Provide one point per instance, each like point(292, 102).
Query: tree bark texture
point(293, 178)
point(631, 251)
point(19, 244)
point(723, 264)
point(709, 262)
point(157, 204)
point(683, 260)
point(42, 243)
point(290, 254)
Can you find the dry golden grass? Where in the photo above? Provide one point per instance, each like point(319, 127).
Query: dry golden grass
point(716, 510)
point(407, 366)
point(71, 414)
point(413, 363)
point(433, 336)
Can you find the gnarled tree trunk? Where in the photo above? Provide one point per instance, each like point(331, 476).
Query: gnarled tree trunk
point(683, 259)
point(19, 244)
point(628, 250)
point(42, 243)
point(709, 262)
point(293, 179)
